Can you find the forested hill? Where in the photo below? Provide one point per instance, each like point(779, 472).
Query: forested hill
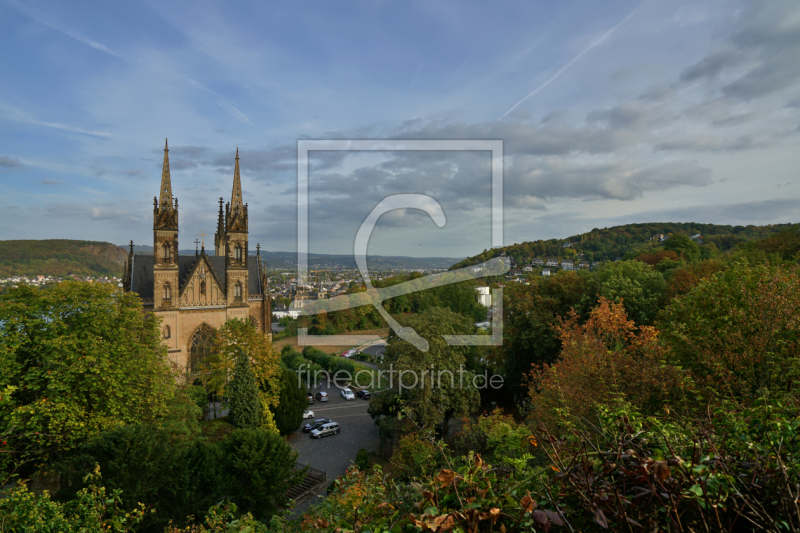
point(60, 257)
point(609, 243)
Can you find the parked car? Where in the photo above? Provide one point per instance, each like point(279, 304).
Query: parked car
point(331, 428)
point(347, 394)
point(310, 398)
point(316, 424)
point(322, 396)
point(308, 413)
point(363, 394)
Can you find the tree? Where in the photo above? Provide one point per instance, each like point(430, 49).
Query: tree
point(75, 360)
point(233, 337)
point(292, 401)
point(683, 245)
point(245, 398)
point(637, 285)
point(259, 468)
point(739, 331)
point(434, 384)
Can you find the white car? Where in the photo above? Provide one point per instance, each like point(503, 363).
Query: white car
point(347, 394)
point(308, 413)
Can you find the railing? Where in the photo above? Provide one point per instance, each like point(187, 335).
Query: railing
point(166, 301)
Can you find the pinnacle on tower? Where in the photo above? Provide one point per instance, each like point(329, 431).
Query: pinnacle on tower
point(236, 195)
point(165, 193)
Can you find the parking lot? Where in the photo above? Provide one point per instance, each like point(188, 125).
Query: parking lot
point(335, 453)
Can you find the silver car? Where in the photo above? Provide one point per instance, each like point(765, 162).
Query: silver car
point(331, 428)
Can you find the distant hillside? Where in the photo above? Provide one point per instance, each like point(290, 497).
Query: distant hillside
point(60, 257)
point(288, 260)
point(609, 243)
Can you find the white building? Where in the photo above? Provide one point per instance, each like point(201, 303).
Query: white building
point(484, 296)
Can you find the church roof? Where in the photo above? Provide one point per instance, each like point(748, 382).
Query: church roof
point(142, 272)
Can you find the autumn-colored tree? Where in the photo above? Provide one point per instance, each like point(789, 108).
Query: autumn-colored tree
point(236, 335)
point(684, 279)
point(739, 331)
point(655, 258)
point(605, 358)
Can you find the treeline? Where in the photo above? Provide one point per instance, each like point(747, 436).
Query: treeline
point(60, 258)
point(607, 244)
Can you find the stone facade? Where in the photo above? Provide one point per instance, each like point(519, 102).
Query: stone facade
point(195, 295)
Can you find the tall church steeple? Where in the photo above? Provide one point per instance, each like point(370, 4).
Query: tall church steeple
point(165, 242)
point(234, 242)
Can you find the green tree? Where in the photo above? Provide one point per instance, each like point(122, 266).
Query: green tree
point(75, 360)
point(739, 331)
point(434, 384)
point(259, 469)
point(291, 403)
point(245, 400)
point(637, 285)
point(683, 245)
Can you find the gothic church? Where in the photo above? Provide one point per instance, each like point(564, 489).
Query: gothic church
point(195, 295)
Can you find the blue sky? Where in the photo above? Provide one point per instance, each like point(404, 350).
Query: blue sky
point(610, 112)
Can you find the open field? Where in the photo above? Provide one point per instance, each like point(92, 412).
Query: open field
point(292, 341)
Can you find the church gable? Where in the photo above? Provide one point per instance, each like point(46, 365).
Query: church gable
point(202, 287)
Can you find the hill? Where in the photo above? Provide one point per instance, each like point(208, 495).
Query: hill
point(288, 260)
point(607, 244)
point(60, 257)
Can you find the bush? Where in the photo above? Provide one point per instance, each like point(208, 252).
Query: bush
point(362, 460)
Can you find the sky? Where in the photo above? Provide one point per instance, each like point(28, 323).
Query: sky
point(610, 113)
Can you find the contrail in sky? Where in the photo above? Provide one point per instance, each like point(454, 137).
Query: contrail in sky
point(574, 59)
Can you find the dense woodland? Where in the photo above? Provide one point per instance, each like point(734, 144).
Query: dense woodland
point(60, 258)
point(657, 393)
point(626, 241)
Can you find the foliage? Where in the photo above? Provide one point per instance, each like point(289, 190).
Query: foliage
point(292, 401)
point(182, 419)
point(530, 315)
point(224, 518)
point(245, 402)
point(786, 243)
point(92, 510)
point(362, 460)
point(637, 285)
point(414, 457)
point(259, 469)
point(684, 246)
point(688, 276)
point(60, 258)
point(604, 358)
point(233, 337)
point(609, 243)
point(76, 360)
point(734, 471)
point(495, 435)
point(143, 464)
point(434, 384)
point(739, 332)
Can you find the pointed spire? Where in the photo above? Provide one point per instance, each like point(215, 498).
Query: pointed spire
point(236, 195)
point(165, 193)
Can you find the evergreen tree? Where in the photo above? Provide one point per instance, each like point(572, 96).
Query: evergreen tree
point(245, 409)
point(291, 404)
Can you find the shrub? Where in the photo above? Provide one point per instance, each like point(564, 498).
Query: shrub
point(414, 457)
point(362, 460)
point(245, 408)
point(292, 402)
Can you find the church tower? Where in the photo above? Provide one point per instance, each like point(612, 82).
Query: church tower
point(165, 243)
point(234, 243)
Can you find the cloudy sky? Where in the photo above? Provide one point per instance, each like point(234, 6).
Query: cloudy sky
point(610, 112)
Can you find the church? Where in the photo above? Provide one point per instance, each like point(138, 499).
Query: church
point(193, 295)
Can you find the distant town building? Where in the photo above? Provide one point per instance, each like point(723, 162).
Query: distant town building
point(484, 296)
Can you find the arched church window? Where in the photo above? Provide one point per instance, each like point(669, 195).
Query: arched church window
point(165, 248)
point(167, 292)
point(167, 332)
point(200, 347)
point(237, 291)
point(203, 287)
point(237, 253)
point(254, 322)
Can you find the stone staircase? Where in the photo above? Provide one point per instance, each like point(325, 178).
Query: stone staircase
point(313, 481)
